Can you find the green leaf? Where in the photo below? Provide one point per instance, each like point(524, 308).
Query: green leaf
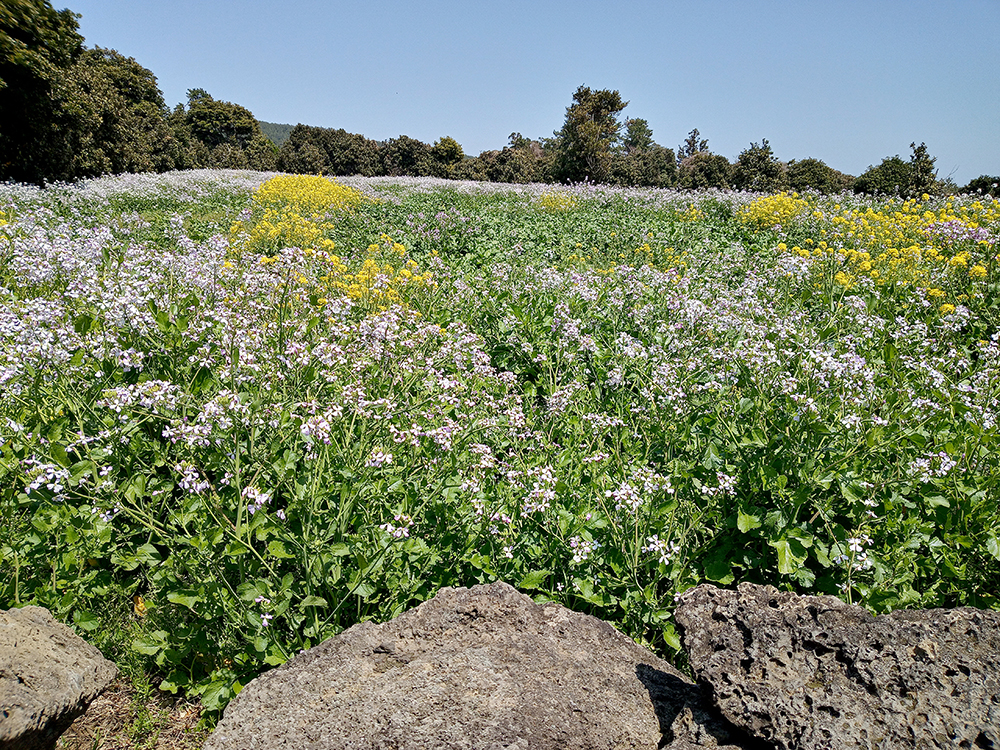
point(534, 579)
point(788, 562)
point(236, 548)
point(364, 590)
point(277, 549)
point(993, 545)
point(670, 636)
point(719, 570)
point(747, 522)
point(216, 695)
point(938, 501)
point(149, 555)
point(87, 621)
point(83, 324)
point(188, 599)
point(313, 601)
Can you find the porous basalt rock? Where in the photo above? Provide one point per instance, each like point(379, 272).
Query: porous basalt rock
point(48, 676)
point(483, 668)
point(814, 672)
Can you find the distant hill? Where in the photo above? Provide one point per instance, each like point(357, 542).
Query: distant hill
point(277, 133)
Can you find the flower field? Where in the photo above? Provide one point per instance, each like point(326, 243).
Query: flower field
point(240, 412)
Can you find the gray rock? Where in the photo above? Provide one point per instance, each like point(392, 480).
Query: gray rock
point(814, 672)
point(48, 676)
point(483, 668)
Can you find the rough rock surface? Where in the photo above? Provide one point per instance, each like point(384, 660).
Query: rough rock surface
point(483, 668)
point(814, 672)
point(48, 675)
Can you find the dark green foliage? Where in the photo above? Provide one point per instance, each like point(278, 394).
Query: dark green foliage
point(37, 45)
point(276, 133)
point(705, 170)
point(446, 154)
point(113, 116)
point(215, 122)
point(655, 166)
point(814, 174)
point(691, 146)
point(896, 177)
point(758, 169)
point(406, 156)
point(230, 132)
point(36, 41)
point(891, 177)
point(518, 165)
point(587, 138)
point(923, 176)
point(985, 185)
point(638, 135)
point(313, 150)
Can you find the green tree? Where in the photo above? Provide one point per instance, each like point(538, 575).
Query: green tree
point(588, 136)
point(230, 132)
point(37, 45)
point(638, 136)
point(890, 177)
point(758, 169)
point(113, 115)
point(446, 154)
point(703, 169)
point(923, 176)
point(897, 177)
point(314, 150)
point(405, 156)
point(814, 174)
point(692, 145)
point(984, 185)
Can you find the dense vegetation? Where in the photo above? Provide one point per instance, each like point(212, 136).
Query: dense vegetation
point(68, 112)
point(239, 414)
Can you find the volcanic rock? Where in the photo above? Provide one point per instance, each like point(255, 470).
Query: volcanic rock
point(484, 668)
point(48, 675)
point(814, 672)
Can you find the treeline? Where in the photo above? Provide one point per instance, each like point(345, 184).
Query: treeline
point(68, 112)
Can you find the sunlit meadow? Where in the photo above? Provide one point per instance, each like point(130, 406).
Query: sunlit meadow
point(240, 412)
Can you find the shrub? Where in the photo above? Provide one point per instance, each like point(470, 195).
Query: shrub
point(705, 170)
point(758, 169)
point(406, 156)
point(814, 174)
point(984, 185)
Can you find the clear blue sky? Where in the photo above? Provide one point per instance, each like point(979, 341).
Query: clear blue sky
point(847, 82)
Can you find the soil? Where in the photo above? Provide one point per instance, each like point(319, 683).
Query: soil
point(120, 719)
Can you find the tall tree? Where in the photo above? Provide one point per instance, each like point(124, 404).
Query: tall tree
point(923, 176)
point(758, 169)
point(37, 45)
point(113, 114)
point(230, 132)
point(638, 135)
point(692, 145)
point(588, 136)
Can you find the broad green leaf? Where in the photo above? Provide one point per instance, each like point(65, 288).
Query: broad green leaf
point(149, 555)
point(788, 562)
point(720, 570)
point(276, 548)
point(993, 545)
point(534, 579)
point(188, 600)
point(86, 621)
point(747, 522)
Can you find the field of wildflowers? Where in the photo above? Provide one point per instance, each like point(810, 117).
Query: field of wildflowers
point(240, 412)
